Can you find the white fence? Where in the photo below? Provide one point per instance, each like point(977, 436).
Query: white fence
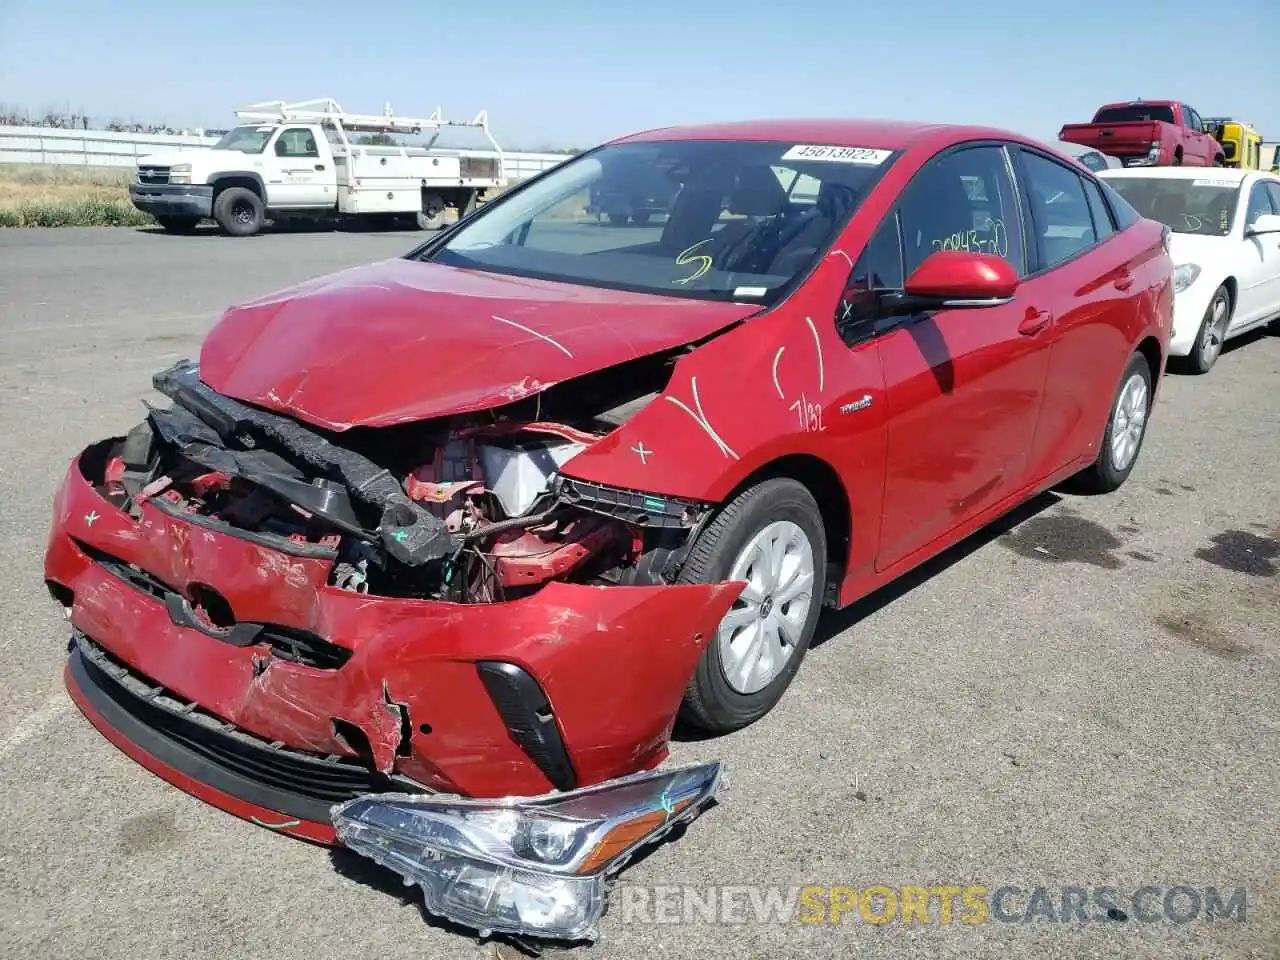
point(102, 148)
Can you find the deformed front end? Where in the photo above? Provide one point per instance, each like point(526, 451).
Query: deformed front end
point(279, 617)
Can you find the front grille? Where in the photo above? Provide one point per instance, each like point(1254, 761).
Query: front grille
point(212, 751)
point(153, 175)
point(286, 643)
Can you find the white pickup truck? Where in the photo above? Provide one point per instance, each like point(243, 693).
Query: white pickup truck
point(306, 160)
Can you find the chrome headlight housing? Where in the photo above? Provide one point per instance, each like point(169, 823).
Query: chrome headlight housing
point(1184, 275)
point(528, 866)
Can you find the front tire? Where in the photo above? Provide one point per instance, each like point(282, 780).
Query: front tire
point(1126, 429)
point(1213, 334)
point(174, 224)
point(239, 212)
point(773, 537)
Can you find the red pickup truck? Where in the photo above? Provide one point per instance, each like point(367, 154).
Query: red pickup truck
point(1148, 133)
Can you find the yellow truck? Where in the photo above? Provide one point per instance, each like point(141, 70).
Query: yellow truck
point(1241, 143)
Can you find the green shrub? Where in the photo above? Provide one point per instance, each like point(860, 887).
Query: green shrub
point(88, 211)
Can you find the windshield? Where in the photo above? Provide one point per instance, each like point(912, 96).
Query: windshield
point(1204, 206)
point(245, 139)
point(1141, 111)
point(716, 220)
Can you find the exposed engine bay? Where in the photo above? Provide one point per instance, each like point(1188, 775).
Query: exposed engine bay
point(471, 510)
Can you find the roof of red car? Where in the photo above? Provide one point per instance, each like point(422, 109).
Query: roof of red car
point(878, 134)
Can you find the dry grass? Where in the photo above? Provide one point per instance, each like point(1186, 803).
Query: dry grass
point(40, 195)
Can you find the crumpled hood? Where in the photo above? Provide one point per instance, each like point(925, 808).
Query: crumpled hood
point(400, 340)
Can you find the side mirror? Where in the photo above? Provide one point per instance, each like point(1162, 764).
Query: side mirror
point(1267, 223)
point(955, 278)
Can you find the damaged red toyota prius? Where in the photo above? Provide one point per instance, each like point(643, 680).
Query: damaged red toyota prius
point(427, 557)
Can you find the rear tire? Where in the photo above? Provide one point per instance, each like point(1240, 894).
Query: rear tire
point(758, 647)
point(1125, 432)
point(431, 217)
point(619, 219)
point(239, 212)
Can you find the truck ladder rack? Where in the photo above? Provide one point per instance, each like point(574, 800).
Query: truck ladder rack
point(327, 110)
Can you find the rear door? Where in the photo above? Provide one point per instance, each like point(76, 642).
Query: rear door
point(1076, 251)
point(1200, 146)
point(963, 386)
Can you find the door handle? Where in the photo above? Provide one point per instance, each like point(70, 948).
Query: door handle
point(1124, 281)
point(319, 166)
point(1034, 321)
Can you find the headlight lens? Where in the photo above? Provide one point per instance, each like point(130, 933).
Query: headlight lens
point(1184, 275)
point(532, 866)
point(180, 173)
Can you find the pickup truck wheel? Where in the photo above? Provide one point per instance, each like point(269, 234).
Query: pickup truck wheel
point(178, 224)
point(619, 219)
point(238, 211)
point(1126, 429)
point(431, 217)
point(773, 537)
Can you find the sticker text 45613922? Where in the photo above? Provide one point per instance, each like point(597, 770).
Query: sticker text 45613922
point(829, 154)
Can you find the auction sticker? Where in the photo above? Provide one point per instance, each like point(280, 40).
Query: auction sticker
point(1225, 184)
point(828, 154)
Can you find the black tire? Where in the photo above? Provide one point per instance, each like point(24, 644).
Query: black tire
point(1103, 475)
point(1203, 356)
point(1177, 158)
point(239, 212)
point(619, 219)
point(640, 218)
point(178, 224)
point(710, 703)
point(431, 217)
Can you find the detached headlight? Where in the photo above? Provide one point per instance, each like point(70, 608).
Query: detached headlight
point(1184, 275)
point(180, 173)
point(533, 866)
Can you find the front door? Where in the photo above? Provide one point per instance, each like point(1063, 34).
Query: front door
point(963, 387)
point(1259, 283)
point(302, 177)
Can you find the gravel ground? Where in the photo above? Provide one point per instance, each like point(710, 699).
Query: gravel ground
point(1086, 696)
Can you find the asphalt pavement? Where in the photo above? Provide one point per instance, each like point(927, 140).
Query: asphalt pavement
point(1085, 696)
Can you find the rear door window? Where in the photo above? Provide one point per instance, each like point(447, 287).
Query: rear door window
point(1062, 222)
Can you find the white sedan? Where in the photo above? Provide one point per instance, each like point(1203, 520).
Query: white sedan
point(1225, 246)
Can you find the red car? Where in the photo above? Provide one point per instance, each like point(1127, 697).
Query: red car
point(487, 518)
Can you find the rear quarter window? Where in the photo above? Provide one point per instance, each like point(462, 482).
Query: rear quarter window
point(1123, 212)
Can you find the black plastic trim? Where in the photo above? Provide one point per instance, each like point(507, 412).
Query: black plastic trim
point(525, 710)
point(214, 752)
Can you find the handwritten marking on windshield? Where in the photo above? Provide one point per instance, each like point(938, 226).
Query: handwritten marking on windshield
point(534, 333)
point(686, 257)
point(700, 419)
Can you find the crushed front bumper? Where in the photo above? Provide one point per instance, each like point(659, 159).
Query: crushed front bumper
point(319, 694)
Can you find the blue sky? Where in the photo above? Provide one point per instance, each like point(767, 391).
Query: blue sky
point(564, 73)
